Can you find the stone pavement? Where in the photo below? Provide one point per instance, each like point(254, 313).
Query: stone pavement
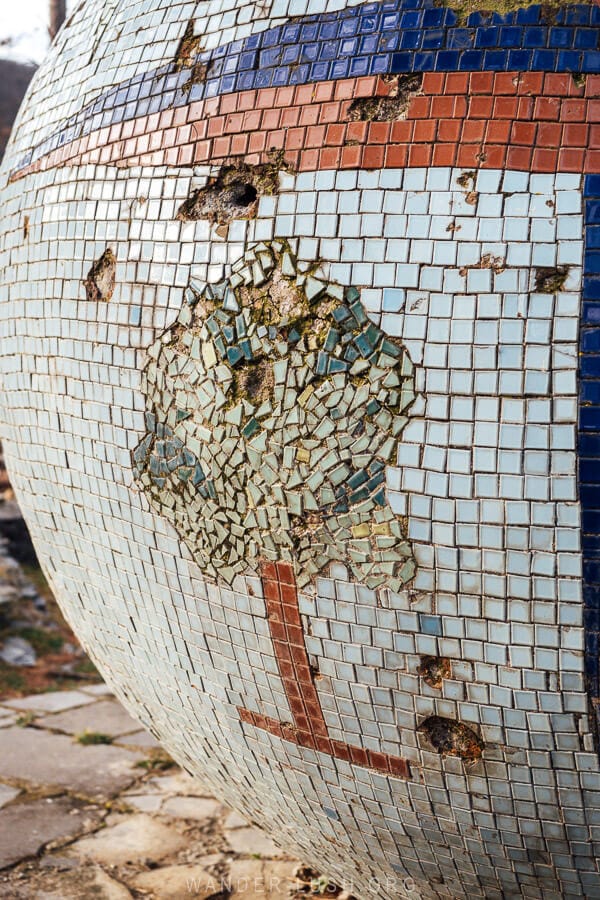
point(91, 807)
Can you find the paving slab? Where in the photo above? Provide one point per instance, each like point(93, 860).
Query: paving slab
point(141, 738)
point(178, 883)
point(257, 879)
point(148, 803)
point(191, 807)
point(56, 701)
point(7, 793)
point(98, 690)
point(179, 783)
point(86, 882)
point(135, 838)
point(26, 827)
point(234, 820)
point(251, 841)
point(104, 716)
point(42, 758)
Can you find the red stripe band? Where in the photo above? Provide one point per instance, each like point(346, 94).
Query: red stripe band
point(533, 121)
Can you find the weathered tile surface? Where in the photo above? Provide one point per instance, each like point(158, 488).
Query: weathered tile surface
point(300, 368)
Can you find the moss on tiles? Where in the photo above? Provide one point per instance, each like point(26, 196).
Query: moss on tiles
point(464, 8)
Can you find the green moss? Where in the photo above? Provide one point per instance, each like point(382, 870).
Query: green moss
point(10, 679)
point(464, 8)
point(87, 667)
point(550, 280)
point(91, 738)
point(43, 642)
point(158, 761)
point(25, 719)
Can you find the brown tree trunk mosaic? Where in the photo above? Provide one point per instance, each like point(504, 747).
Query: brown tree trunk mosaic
point(309, 728)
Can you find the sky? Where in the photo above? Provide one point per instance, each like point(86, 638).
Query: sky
point(25, 22)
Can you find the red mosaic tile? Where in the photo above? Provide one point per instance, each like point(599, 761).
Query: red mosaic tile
point(449, 130)
point(420, 107)
point(425, 131)
point(309, 115)
point(523, 132)
point(351, 157)
point(442, 107)
point(480, 107)
point(481, 82)
point(396, 156)
point(401, 132)
point(330, 112)
point(530, 83)
point(322, 91)
point(304, 94)
point(284, 96)
point(575, 135)
point(473, 131)
point(295, 138)
point(373, 157)
point(519, 158)
point(468, 156)
point(456, 83)
point(504, 83)
point(570, 160)
point(335, 135)
point(290, 116)
point(495, 156)
point(498, 132)
point(444, 155)
point(434, 82)
point(592, 160)
point(247, 100)
point(266, 98)
point(345, 89)
point(257, 142)
point(547, 108)
point(549, 134)
point(309, 161)
point(525, 108)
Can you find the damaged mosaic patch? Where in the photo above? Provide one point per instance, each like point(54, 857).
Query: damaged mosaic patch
point(273, 407)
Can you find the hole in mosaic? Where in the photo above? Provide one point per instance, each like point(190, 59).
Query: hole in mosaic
point(451, 738)
point(550, 280)
point(234, 193)
point(390, 107)
point(100, 282)
point(273, 407)
point(188, 47)
point(433, 670)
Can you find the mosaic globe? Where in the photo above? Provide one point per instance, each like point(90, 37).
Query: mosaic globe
point(300, 361)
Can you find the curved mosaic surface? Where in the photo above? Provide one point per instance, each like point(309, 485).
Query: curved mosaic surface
point(300, 366)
